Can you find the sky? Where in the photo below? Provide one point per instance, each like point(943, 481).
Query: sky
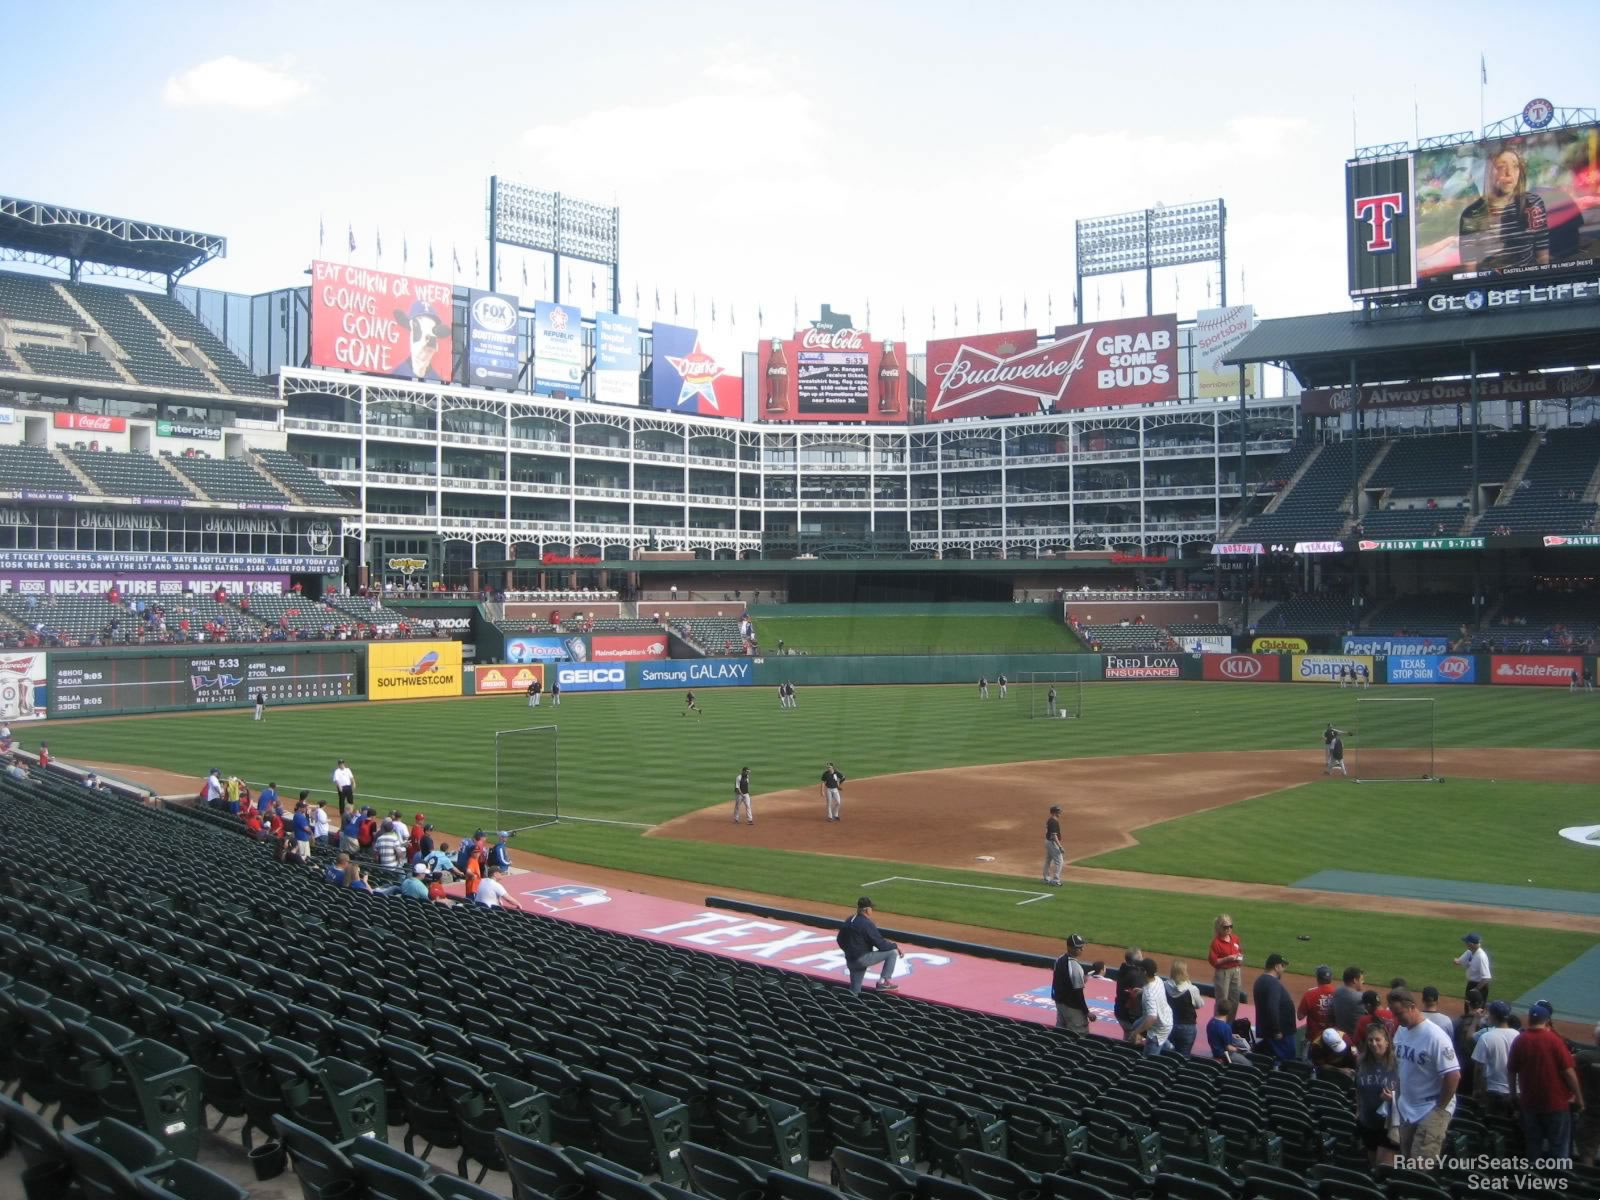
point(925, 161)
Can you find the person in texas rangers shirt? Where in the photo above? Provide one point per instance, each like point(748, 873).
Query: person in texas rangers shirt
point(1507, 227)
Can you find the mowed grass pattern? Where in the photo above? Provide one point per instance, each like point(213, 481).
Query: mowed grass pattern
point(921, 633)
point(634, 757)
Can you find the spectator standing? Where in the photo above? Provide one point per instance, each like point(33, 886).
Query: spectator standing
point(1186, 1002)
point(1544, 1086)
point(44, 755)
point(302, 832)
point(1491, 1053)
point(1429, 1076)
point(1054, 855)
point(1316, 1007)
point(350, 831)
point(1347, 1008)
point(1475, 960)
point(319, 820)
point(500, 856)
point(269, 797)
point(1430, 1010)
point(213, 789)
point(1128, 1005)
point(1275, 1023)
point(1373, 1010)
point(1154, 1028)
point(387, 847)
point(1067, 983)
point(1467, 1027)
point(344, 783)
point(1226, 958)
point(1586, 1142)
point(864, 946)
point(1377, 1088)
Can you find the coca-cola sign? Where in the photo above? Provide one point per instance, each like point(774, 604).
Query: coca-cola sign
point(90, 422)
point(1131, 361)
point(831, 374)
point(833, 339)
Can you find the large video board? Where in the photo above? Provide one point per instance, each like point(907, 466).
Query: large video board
point(831, 375)
point(229, 678)
point(1504, 210)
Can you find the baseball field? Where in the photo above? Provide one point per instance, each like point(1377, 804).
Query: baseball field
point(1181, 799)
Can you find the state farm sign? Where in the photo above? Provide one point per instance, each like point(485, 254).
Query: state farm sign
point(630, 646)
point(1241, 668)
point(90, 422)
point(1534, 670)
point(1132, 361)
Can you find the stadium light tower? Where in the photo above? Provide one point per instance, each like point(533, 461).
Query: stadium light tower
point(1151, 238)
point(555, 224)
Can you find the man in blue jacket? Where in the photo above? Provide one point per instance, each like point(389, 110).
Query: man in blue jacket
point(865, 947)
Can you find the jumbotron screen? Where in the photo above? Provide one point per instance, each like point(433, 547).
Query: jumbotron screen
point(225, 679)
point(1503, 211)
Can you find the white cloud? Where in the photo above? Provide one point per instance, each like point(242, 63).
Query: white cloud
point(232, 82)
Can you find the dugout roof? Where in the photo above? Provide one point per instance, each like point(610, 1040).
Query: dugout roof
point(71, 238)
point(1411, 343)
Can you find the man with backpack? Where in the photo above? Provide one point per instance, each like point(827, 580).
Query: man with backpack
point(864, 946)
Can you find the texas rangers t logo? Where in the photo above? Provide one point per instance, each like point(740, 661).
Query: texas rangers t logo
point(1379, 212)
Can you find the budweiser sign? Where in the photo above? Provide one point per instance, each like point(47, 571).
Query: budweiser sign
point(1033, 377)
point(833, 339)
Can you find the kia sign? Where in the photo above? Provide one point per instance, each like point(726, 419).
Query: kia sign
point(1143, 666)
point(628, 646)
point(380, 323)
point(1431, 668)
point(1241, 668)
point(1534, 670)
point(492, 352)
point(1395, 645)
point(597, 677)
point(697, 673)
point(1132, 361)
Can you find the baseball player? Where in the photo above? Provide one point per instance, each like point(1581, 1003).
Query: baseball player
point(1002, 682)
point(1336, 755)
point(789, 688)
point(983, 687)
point(1050, 701)
point(1328, 736)
point(783, 695)
point(1344, 675)
point(533, 694)
point(1054, 855)
point(555, 694)
point(1365, 674)
point(741, 796)
point(832, 792)
point(261, 706)
point(690, 706)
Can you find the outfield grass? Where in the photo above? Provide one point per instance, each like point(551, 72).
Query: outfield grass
point(930, 633)
point(1474, 829)
point(633, 757)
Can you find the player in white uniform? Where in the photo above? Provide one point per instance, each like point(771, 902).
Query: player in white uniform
point(741, 796)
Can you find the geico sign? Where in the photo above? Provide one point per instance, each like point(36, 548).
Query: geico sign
point(1239, 667)
point(591, 675)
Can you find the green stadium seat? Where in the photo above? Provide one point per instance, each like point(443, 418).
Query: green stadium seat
point(485, 1103)
point(859, 1125)
point(106, 1154)
point(182, 1179)
point(637, 1126)
point(718, 1176)
point(144, 1083)
point(333, 1097)
point(760, 1128)
point(870, 1178)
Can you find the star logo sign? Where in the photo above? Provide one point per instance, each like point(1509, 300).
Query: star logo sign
point(700, 373)
point(558, 319)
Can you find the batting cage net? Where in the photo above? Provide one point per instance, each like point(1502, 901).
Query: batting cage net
point(1392, 741)
point(527, 790)
point(1054, 694)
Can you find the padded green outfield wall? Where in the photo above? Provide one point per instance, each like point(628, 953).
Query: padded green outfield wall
point(817, 671)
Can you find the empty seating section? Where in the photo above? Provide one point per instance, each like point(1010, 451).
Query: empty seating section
point(1315, 507)
point(1124, 637)
point(118, 474)
point(1550, 497)
point(230, 481)
point(1197, 629)
point(33, 298)
point(60, 363)
point(714, 635)
point(35, 469)
point(1435, 614)
point(372, 613)
point(1441, 464)
point(301, 479)
point(525, 626)
point(658, 1071)
point(1310, 614)
point(1413, 522)
point(149, 360)
point(229, 368)
point(297, 613)
point(625, 625)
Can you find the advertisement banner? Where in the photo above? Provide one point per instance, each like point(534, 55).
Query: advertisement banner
point(1408, 545)
point(413, 670)
point(1571, 541)
point(1204, 643)
point(492, 349)
point(1242, 668)
point(151, 560)
point(547, 648)
point(696, 673)
point(1225, 549)
point(592, 677)
point(559, 358)
point(1431, 668)
point(1130, 361)
point(616, 359)
point(380, 323)
point(1534, 670)
point(1279, 645)
point(188, 429)
point(695, 373)
point(1395, 645)
point(1325, 668)
point(1555, 385)
point(89, 422)
point(829, 375)
point(24, 684)
point(1380, 215)
point(47, 583)
point(1217, 331)
point(1143, 666)
point(505, 677)
point(629, 645)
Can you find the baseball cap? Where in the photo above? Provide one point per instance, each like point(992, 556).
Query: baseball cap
point(1055, 808)
point(1499, 1008)
point(418, 310)
point(1324, 974)
point(1075, 940)
point(502, 835)
point(1333, 1040)
point(420, 869)
point(1274, 959)
point(1540, 1011)
point(1472, 939)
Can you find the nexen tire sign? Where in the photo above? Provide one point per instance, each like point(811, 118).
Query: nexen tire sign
point(1241, 668)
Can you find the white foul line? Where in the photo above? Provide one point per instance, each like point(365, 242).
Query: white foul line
point(1033, 896)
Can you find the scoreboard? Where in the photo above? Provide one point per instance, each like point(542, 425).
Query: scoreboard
point(832, 381)
point(228, 678)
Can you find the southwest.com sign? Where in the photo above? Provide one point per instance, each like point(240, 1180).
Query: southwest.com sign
point(413, 670)
point(697, 673)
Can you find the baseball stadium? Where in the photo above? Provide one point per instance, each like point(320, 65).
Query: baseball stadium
point(1291, 622)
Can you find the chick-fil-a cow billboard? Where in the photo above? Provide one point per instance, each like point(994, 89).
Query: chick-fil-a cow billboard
point(383, 324)
point(1132, 361)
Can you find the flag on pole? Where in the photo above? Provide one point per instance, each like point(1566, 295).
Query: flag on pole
point(455, 259)
point(430, 254)
point(933, 319)
point(869, 314)
point(350, 237)
point(797, 312)
point(1049, 308)
point(524, 272)
point(1002, 303)
point(378, 241)
point(591, 287)
point(636, 297)
point(902, 320)
point(1483, 70)
point(322, 233)
point(674, 301)
point(761, 317)
point(476, 272)
point(713, 312)
point(1024, 308)
point(405, 250)
point(658, 300)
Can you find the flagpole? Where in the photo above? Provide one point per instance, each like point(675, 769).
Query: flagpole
point(1483, 82)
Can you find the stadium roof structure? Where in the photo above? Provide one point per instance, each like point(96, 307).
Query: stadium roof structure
point(69, 239)
point(1412, 343)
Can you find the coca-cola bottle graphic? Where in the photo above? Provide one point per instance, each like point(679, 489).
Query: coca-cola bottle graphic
point(777, 380)
point(889, 377)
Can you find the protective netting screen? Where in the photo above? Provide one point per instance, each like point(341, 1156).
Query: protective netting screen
point(526, 778)
point(1393, 741)
point(1054, 694)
